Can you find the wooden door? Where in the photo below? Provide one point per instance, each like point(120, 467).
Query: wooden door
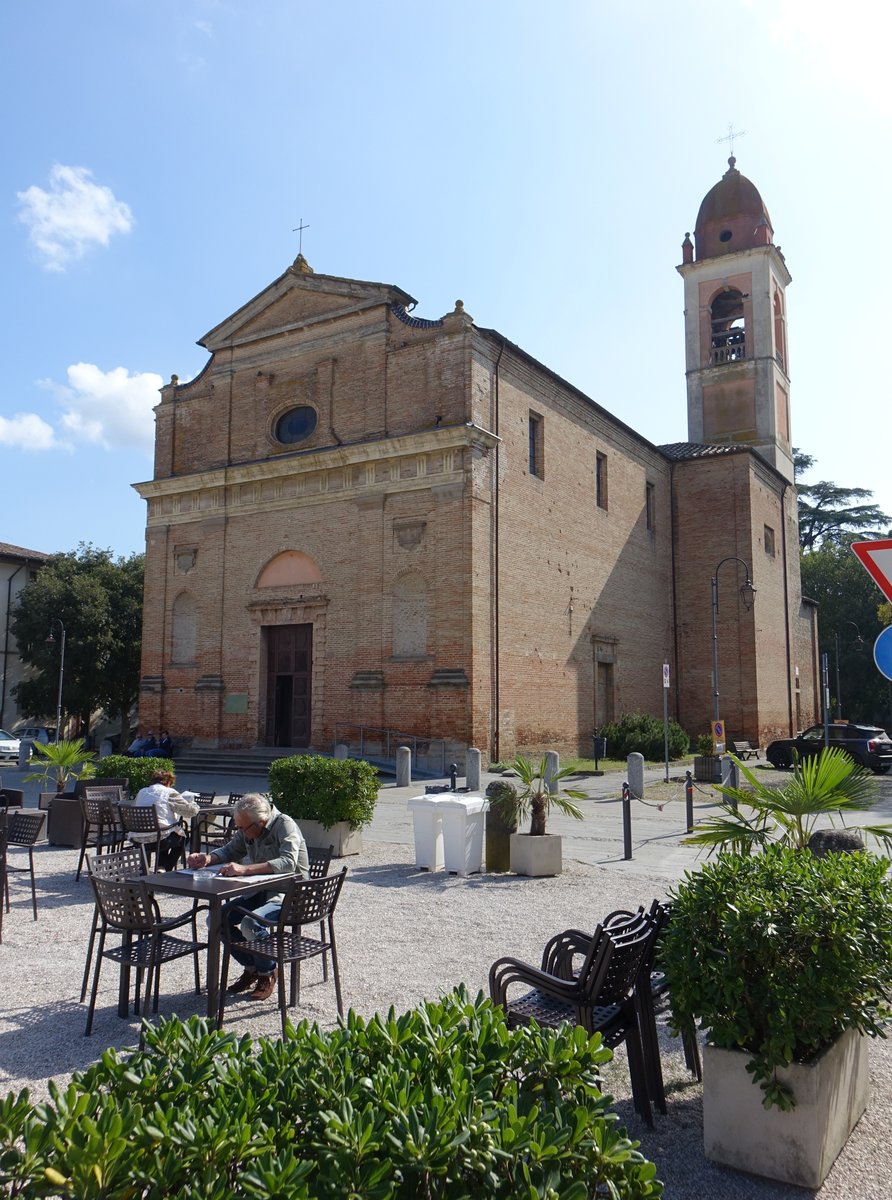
point(289, 670)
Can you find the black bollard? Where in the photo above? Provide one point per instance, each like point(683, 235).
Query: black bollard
point(627, 822)
point(689, 801)
point(453, 776)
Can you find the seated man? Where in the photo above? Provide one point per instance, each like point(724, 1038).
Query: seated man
point(273, 844)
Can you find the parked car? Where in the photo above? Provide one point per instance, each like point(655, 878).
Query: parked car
point(9, 746)
point(866, 744)
point(36, 733)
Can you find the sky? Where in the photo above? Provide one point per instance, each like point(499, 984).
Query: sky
point(540, 162)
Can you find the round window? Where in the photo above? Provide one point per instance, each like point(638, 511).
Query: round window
point(725, 235)
point(296, 425)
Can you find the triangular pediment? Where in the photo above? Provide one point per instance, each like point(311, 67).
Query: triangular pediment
point(297, 298)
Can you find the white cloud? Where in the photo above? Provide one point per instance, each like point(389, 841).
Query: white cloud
point(27, 431)
point(112, 408)
point(76, 213)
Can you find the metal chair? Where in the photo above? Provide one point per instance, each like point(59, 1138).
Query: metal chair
point(203, 799)
point(128, 863)
point(320, 860)
point(207, 832)
point(140, 822)
point(24, 829)
point(600, 997)
point(100, 824)
point(234, 797)
point(128, 907)
point(306, 901)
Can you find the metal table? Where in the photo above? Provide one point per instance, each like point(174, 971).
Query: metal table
point(215, 891)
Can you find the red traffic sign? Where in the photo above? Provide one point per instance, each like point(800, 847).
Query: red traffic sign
point(876, 558)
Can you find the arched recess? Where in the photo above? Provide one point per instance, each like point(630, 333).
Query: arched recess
point(183, 629)
point(728, 326)
point(287, 569)
point(410, 605)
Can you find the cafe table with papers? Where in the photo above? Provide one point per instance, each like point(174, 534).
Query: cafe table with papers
point(206, 885)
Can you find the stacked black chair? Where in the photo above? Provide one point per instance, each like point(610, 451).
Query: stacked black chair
point(100, 825)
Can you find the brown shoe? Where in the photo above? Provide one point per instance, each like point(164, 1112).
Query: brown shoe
point(266, 985)
point(247, 979)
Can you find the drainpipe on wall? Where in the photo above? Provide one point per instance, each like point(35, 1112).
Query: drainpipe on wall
point(496, 695)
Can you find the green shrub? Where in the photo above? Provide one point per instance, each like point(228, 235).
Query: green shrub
point(705, 745)
point(137, 771)
point(640, 733)
point(312, 788)
point(779, 953)
point(442, 1101)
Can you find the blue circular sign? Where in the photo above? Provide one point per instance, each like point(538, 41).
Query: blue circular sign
point(882, 652)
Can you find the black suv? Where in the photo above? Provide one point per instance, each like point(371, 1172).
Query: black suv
point(866, 744)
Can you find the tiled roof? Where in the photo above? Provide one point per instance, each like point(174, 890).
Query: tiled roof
point(679, 451)
point(9, 551)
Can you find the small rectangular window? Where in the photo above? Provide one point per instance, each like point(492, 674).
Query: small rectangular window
point(650, 500)
point(601, 480)
point(768, 535)
point(536, 449)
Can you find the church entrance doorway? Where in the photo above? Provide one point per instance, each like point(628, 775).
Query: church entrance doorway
point(289, 669)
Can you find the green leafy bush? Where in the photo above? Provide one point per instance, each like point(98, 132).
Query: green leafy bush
point(640, 733)
point(705, 745)
point(137, 771)
point(442, 1101)
point(780, 953)
point(312, 788)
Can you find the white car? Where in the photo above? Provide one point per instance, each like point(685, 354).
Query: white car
point(9, 746)
point(36, 733)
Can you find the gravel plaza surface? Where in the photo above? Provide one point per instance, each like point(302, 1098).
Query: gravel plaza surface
point(405, 935)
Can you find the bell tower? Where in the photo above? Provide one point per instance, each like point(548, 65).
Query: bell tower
point(735, 311)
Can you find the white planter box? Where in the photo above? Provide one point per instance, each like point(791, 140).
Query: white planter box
point(344, 839)
point(536, 855)
point(799, 1146)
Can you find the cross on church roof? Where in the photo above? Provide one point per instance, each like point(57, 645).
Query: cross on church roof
point(299, 229)
point(731, 135)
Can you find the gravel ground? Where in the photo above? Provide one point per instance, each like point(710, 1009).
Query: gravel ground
point(404, 935)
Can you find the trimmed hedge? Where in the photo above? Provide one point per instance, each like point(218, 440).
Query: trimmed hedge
point(442, 1101)
point(137, 771)
point(312, 788)
point(640, 733)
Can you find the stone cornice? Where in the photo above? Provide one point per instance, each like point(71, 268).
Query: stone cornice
point(427, 459)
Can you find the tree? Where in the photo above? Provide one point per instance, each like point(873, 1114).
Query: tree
point(849, 604)
point(98, 599)
point(827, 513)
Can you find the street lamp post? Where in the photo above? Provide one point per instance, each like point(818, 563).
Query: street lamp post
point(747, 594)
point(51, 641)
point(859, 645)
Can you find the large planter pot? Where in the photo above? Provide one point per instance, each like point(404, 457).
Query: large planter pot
point(708, 768)
point(536, 855)
point(498, 842)
point(344, 839)
point(799, 1146)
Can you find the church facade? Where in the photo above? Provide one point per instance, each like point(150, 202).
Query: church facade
point(362, 520)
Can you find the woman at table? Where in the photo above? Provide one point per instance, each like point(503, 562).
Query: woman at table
point(160, 792)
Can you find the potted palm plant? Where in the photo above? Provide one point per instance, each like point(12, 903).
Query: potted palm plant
point(785, 959)
point(61, 762)
point(537, 852)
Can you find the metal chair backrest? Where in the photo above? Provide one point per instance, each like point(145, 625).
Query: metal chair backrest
point(124, 905)
point(25, 828)
point(98, 810)
point(139, 818)
point(624, 966)
point(320, 860)
point(234, 797)
point(128, 863)
point(311, 899)
point(203, 799)
point(111, 794)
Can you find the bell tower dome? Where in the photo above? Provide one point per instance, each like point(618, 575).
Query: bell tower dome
point(736, 357)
